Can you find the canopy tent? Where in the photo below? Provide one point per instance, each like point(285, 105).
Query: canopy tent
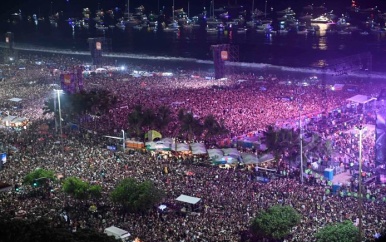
point(152, 134)
point(231, 152)
point(101, 70)
point(198, 148)
point(116, 232)
point(249, 158)
point(180, 147)
point(188, 199)
point(159, 145)
point(166, 140)
point(215, 154)
point(266, 157)
point(19, 121)
point(7, 120)
point(361, 99)
point(15, 99)
point(227, 159)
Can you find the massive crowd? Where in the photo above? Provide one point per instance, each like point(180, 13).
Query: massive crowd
point(230, 198)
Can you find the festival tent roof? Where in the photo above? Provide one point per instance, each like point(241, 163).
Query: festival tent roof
point(249, 158)
point(8, 119)
point(116, 232)
point(159, 145)
point(215, 154)
point(166, 140)
point(362, 99)
point(266, 157)
point(15, 99)
point(153, 134)
point(227, 159)
point(19, 120)
point(180, 147)
point(198, 148)
point(231, 151)
point(188, 199)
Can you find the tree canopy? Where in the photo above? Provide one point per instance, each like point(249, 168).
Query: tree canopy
point(80, 189)
point(38, 177)
point(189, 124)
point(136, 196)
point(339, 232)
point(276, 222)
point(96, 101)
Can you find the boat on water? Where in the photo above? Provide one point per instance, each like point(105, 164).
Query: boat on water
point(172, 27)
point(100, 26)
point(322, 20)
point(121, 25)
point(344, 32)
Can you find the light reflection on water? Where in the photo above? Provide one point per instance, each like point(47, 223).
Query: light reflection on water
point(278, 49)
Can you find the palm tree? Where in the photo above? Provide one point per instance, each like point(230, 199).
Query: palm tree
point(163, 117)
point(189, 124)
point(280, 140)
point(213, 127)
point(148, 117)
point(135, 119)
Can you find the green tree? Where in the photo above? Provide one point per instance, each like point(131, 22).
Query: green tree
point(148, 117)
point(339, 232)
point(95, 191)
point(162, 117)
point(100, 100)
point(80, 189)
point(189, 124)
point(280, 140)
point(213, 127)
point(136, 196)
point(38, 177)
point(135, 118)
point(275, 223)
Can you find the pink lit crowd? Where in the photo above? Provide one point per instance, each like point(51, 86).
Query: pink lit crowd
point(229, 198)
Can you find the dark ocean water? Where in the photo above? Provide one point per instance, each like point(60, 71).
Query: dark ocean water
point(294, 50)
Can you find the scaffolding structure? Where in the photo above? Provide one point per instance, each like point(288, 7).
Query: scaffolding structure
point(223, 54)
point(99, 46)
point(10, 54)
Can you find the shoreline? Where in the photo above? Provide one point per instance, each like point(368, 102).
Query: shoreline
point(170, 59)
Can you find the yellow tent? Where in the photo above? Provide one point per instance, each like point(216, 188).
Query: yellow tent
point(153, 134)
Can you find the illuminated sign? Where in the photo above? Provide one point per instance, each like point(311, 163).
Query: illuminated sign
point(98, 45)
point(224, 55)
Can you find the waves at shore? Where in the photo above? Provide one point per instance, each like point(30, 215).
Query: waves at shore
point(208, 63)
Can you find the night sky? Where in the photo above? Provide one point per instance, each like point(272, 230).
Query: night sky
point(29, 7)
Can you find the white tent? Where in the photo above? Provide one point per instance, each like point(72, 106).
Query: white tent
point(362, 99)
point(7, 120)
point(15, 99)
point(215, 154)
point(188, 199)
point(198, 148)
point(266, 157)
point(231, 151)
point(116, 232)
point(18, 121)
point(179, 147)
point(249, 158)
point(101, 70)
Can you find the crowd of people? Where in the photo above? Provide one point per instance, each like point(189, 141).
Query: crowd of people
point(230, 198)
